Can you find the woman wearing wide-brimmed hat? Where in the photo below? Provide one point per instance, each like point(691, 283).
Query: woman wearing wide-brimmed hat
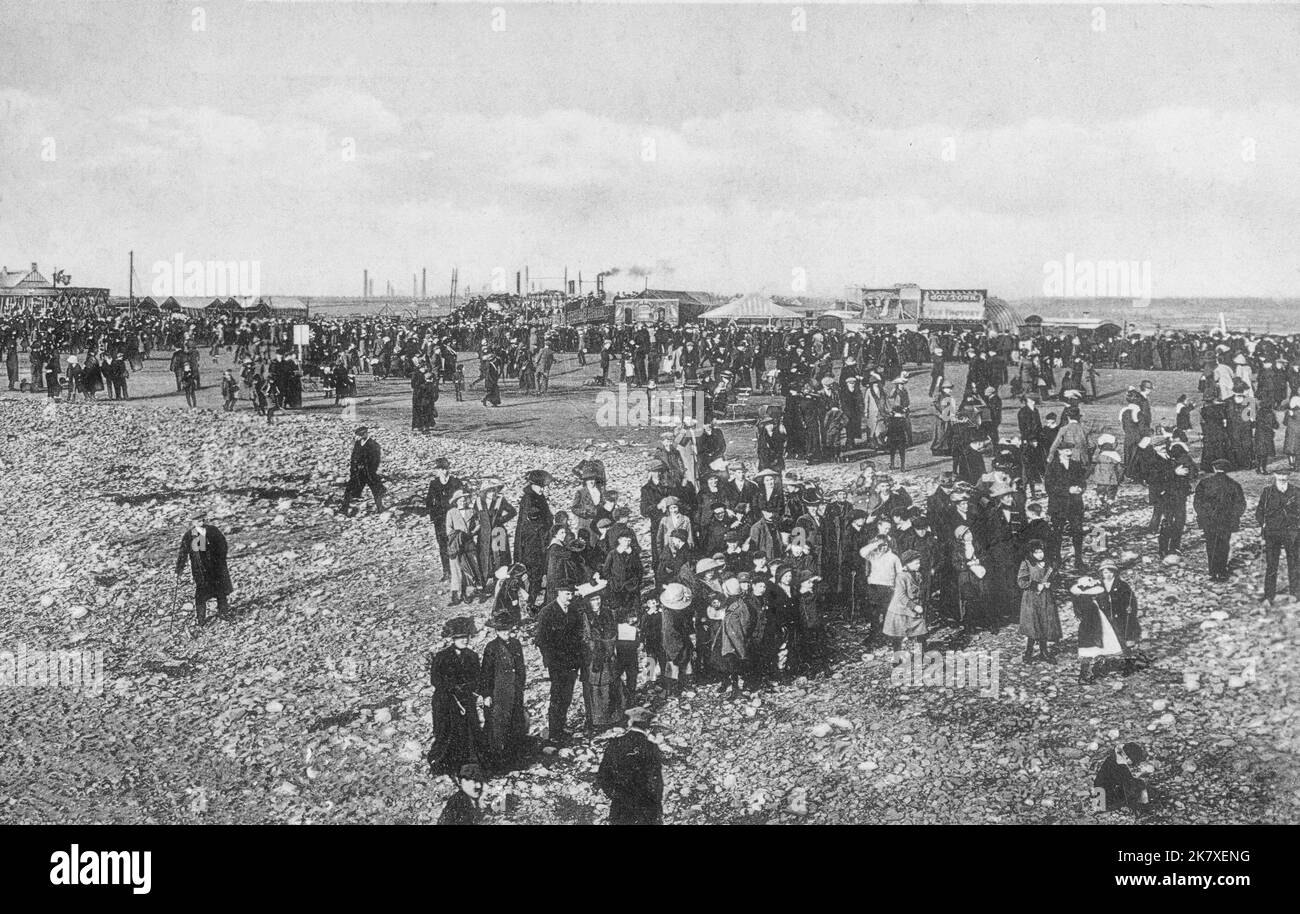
point(494, 512)
point(677, 626)
point(1099, 632)
point(462, 548)
point(454, 675)
point(511, 592)
point(673, 519)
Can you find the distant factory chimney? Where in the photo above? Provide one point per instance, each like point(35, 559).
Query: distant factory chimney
point(424, 279)
point(365, 283)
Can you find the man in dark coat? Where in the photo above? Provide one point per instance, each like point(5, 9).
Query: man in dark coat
point(436, 500)
point(631, 774)
point(1219, 503)
point(532, 532)
point(771, 444)
point(363, 471)
point(1065, 479)
point(204, 547)
point(655, 490)
point(560, 636)
point(1176, 486)
point(1278, 513)
point(968, 462)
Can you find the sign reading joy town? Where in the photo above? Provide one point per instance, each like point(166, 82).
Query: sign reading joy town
point(953, 304)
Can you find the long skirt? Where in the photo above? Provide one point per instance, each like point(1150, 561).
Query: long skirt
point(1039, 619)
point(904, 625)
point(602, 692)
point(464, 572)
point(941, 444)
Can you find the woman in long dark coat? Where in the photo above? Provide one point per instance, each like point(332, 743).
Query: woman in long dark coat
point(491, 381)
point(854, 405)
point(424, 398)
point(494, 512)
point(972, 587)
point(1291, 443)
point(454, 674)
point(1241, 432)
point(1265, 439)
point(533, 531)
point(602, 691)
point(501, 683)
point(1214, 433)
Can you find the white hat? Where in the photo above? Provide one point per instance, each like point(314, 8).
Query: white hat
point(586, 590)
point(72, 360)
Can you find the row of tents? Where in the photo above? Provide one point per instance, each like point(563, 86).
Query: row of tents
point(245, 306)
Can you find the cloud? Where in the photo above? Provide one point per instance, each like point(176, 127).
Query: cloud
point(349, 111)
point(738, 200)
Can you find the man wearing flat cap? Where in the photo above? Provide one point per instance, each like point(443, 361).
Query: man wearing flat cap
point(437, 501)
point(463, 808)
point(631, 774)
point(561, 636)
point(1219, 503)
point(1278, 514)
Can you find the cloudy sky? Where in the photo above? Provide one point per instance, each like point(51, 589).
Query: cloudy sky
point(714, 146)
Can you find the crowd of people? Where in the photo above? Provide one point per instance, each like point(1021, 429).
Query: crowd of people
point(745, 570)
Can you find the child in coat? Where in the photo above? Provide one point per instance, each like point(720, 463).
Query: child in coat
point(835, 432)
point(1039, 620)
point(1115, 786)
point(905, 616)
point(1107, 470)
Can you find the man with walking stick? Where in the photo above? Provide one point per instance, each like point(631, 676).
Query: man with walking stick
point(204, 546)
